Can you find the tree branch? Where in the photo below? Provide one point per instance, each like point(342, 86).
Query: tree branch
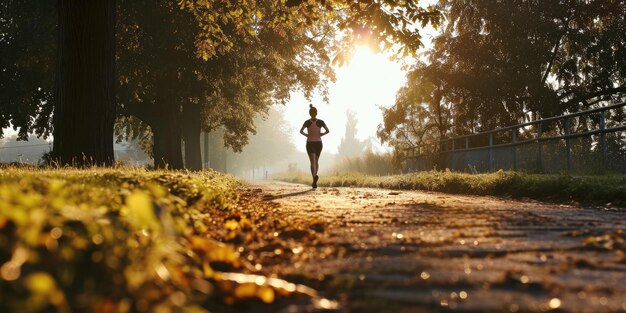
point(610, 91)
point(555, 49)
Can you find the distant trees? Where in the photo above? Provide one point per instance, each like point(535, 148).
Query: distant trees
point(350, 146)
point(497, 64)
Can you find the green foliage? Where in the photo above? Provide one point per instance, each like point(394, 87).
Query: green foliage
point(496, 65)
point(607, 188)
point(158, 78)
point(418, 115)
point(387, 22)
point(27, 63)
point(109, 240)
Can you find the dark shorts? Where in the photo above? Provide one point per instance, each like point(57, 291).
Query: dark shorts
point(314, 147)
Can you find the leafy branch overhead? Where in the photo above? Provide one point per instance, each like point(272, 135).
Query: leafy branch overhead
point(386, 22)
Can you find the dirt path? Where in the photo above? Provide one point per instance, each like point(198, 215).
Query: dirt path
point(377, 250)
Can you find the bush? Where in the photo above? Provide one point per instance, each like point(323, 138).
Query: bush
point(602, 188)
point(108, 240)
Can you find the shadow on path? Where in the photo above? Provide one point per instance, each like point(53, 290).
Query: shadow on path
point(291, 194)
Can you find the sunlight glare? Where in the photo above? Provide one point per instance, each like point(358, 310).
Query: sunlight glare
point(368, 80)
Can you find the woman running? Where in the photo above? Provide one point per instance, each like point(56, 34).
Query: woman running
point(314, 141)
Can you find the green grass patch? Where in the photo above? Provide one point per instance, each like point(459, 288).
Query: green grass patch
point(559, 187)
point(110, 240)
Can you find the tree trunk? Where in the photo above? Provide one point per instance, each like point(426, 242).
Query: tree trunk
point(84, 111)
point(167, 150)
point(166, 132)
point(191, 135)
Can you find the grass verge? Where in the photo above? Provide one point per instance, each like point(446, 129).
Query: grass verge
point(561, 187)
point(123, 240)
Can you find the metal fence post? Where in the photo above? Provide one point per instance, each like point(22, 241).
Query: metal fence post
point(603, 139)
point(466, 156)
point(514, 130)
point(490, 152)
point(540, 156)
point(568, 148)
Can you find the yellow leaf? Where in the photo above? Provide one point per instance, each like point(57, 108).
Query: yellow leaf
point(55, 185)
point(231, 225)
point(266, 294)
point(208, 271)
point(141, 211)
point(40, 283)
point(214, 250)
point(245, 290)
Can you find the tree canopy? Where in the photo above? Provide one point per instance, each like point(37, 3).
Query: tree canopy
point(27, 63)
point(218, 62)
point(383, 21)
point(497, 64)
point(226, 90)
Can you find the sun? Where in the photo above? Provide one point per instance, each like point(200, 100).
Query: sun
point(367, 82)
point(361, 69)
point(370, 76)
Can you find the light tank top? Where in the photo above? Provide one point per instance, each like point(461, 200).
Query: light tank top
point(314, 130)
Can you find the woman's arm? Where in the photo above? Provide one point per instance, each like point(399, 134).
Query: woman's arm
point(326, 130)
point(302, 132)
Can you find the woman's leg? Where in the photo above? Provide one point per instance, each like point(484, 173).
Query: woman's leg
point(313, 159)
point(317, 163)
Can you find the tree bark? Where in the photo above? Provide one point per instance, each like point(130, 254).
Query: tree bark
point(166, 130)
point(191, 128)
point(84, 114)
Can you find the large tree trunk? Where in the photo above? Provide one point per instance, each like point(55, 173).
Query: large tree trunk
point(167, 149)
point(191, 135)
point(166, 130)
point(85, 89)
